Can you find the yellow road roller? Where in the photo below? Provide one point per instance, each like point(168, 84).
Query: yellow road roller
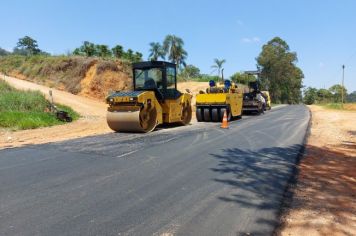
point(154, 100)
point(219, 97)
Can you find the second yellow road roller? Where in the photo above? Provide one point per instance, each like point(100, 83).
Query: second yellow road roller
point(219, 98)
point(154, 100)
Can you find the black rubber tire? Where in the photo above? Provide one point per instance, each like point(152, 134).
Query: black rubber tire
point(215, 115)
point(207, 116)
point(199, 115)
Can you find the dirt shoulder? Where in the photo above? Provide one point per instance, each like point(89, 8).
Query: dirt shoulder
point(92, 121)
point(324, 196)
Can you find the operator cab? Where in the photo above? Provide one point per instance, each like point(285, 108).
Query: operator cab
point(157, 76)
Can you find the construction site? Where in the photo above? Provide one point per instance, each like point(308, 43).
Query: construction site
point(212, 136)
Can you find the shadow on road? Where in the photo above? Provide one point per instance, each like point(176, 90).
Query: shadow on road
point(326, 183)
point(259, 177)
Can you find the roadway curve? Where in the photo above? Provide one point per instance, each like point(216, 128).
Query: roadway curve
point(195, 180)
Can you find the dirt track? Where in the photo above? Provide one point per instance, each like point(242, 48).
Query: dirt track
point(324, 196)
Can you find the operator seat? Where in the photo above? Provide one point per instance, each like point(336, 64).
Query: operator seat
point(150, 84)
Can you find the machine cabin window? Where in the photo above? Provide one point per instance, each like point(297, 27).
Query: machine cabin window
point(147, 79)
point(171, 78)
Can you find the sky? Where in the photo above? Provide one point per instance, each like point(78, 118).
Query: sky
point(321, 32)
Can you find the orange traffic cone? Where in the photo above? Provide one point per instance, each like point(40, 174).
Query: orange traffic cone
point(225, 123)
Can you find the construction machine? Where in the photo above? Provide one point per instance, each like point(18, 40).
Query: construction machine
point(219, 98)
point(253, 101)
point(267, 97)
point(154, 100)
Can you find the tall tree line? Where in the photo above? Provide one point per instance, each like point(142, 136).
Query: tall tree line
point(101, 50)
point(279, 73)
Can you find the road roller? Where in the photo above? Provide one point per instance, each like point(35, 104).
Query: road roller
point(219, 98)
point(154, 100)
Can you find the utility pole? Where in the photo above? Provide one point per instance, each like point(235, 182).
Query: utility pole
point(342, 86)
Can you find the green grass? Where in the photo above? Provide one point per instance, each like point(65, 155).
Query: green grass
point(26, 109)
point(339, 106)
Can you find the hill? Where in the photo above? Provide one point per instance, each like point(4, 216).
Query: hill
point(86, 76)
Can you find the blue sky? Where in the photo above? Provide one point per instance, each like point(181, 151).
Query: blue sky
point(323, 33)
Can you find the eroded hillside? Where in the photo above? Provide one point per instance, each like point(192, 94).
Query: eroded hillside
point(90, 77)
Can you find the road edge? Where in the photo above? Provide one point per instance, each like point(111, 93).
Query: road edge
point(288, 193)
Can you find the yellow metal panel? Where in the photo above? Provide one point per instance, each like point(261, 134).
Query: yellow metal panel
point(211, 98)
point(233, 100)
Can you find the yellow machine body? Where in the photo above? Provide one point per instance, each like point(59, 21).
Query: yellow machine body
point(142, 110)
point(217, 100)
point(173, 108)
point(268, 99)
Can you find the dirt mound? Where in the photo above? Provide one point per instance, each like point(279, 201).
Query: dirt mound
point(90, 77)
point(103, 77)
point(194, 88)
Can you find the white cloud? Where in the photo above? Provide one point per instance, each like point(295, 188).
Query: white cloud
point(251, 40)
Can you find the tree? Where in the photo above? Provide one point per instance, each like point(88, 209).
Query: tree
point(118, 51)
point(102, 50)
point(3, 52)
point(279, 72)
point(28, 45)
point(310, 95)
point(173, 48)
point(137, 57)
point(218, 65)
point(242, 78)
point(336, 92)
point(156, 51)
point(351, 97)
point(324, 96)
point(132, 56)
point(190, 71)
point(87, 49)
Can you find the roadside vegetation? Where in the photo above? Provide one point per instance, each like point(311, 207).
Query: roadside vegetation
point(26, 109)
point(336, 97)
point(62, 72)
point(94, 69)
point(340, 106)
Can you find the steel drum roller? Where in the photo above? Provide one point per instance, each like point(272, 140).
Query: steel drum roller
point(132, 121)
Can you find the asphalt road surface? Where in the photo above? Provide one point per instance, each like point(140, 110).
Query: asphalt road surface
point(195, 180)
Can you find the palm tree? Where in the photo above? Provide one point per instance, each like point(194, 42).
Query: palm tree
point(218, 65)
point(173, 47)
point(156, 51)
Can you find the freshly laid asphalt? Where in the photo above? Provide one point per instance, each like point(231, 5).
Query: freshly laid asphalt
point(194, 180)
